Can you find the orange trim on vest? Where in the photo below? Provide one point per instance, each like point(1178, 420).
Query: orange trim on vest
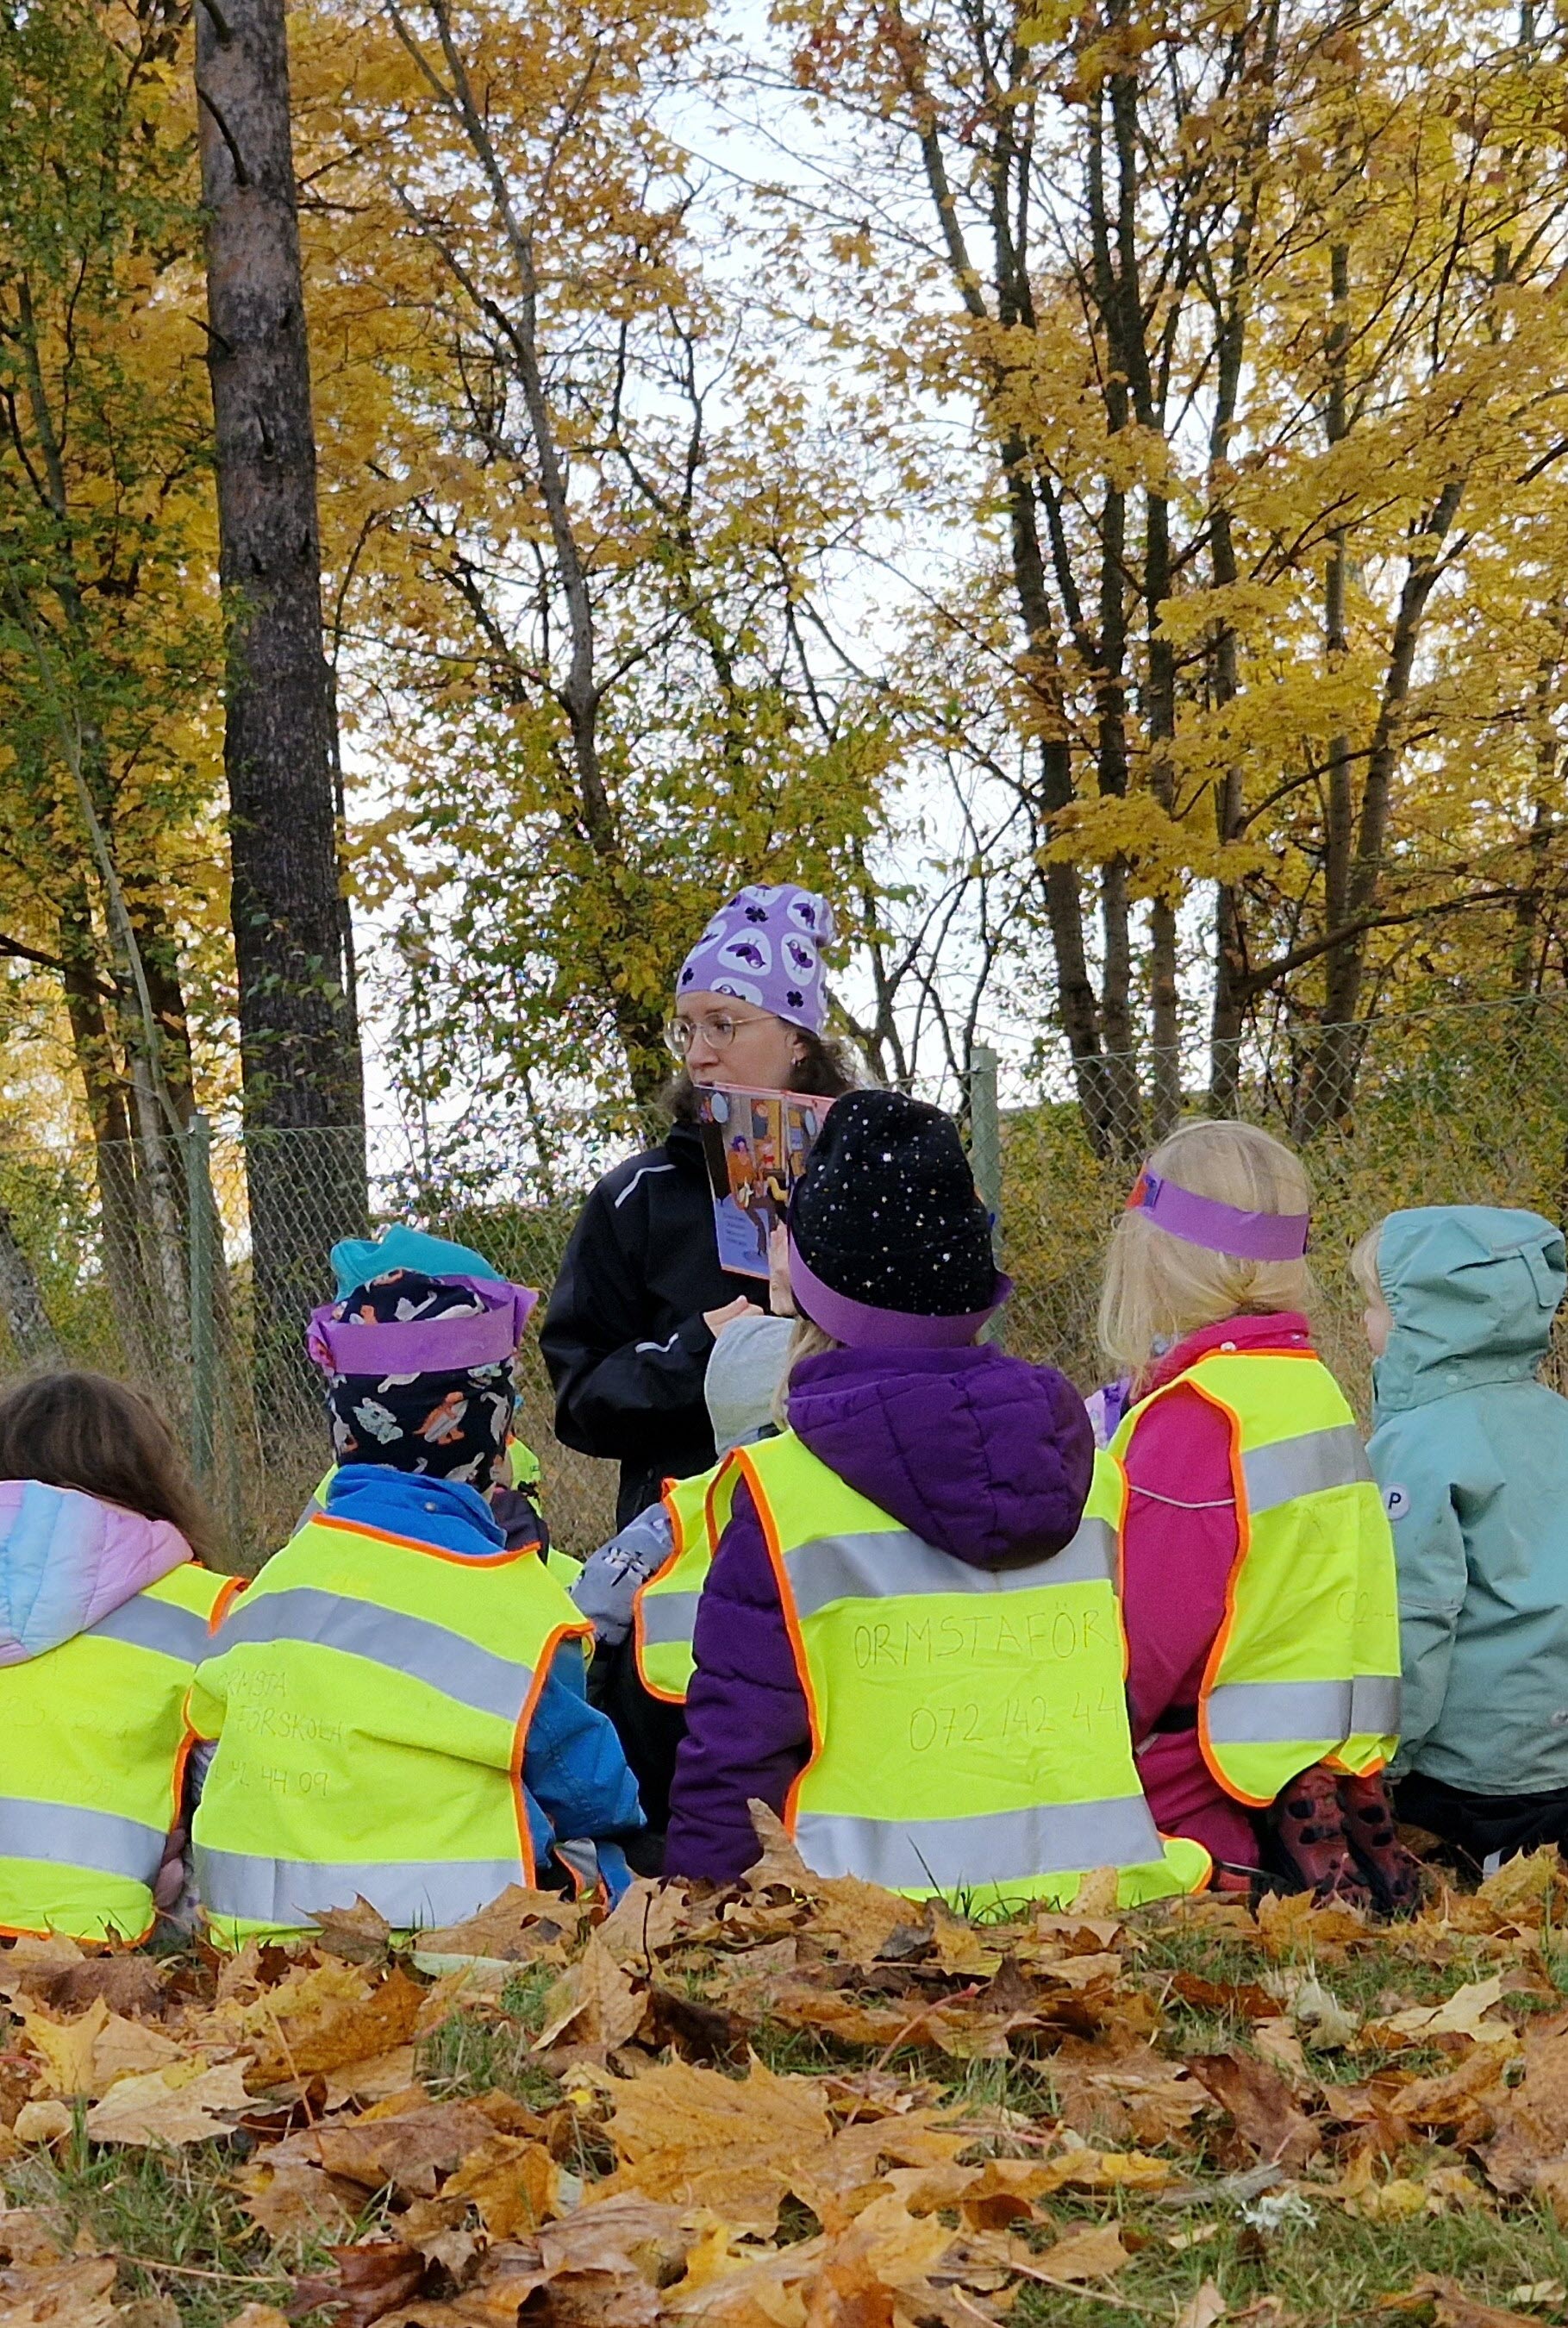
point(677, 1548)
point(233, 1586)
point(1244, 1545)
point(792, 1626)
point(108, 1947)
point(431, 1551)
point(520, 1739)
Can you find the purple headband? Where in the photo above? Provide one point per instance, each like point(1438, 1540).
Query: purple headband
point(1218, 1228)
point(860, 1326)
point(425, 1345)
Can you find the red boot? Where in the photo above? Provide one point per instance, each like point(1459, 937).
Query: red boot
point(1312, 1847)
point(1394, 1874)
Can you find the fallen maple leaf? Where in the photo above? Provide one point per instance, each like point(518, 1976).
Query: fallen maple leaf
point(1318, 2016)
point(1276, 2039)
point(360, 1934)
point(367, 2281)
point(74, 2295)
point(188, 2102)
point(404, 2151)
point(337, 2031)
point(517, 1925)
point(647, 1918)
point(1451, 2308)
point(1295, 1925)
point(514, 2183)
point(126, 1983)
point(292, 2199)
point(1123, 2092)
point(780, 1863)
point(1463, 2015)
point(64, 2048)
point(42, 2121)
point(733, 2145)
point(26, 2237)
point(1079, 2168)
point(1204, 2309)
point(594, 2000)
point(1532, 2117)
point(1261, 2106)
point(1093, 2253)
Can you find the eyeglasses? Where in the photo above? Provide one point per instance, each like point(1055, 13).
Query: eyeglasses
point(720, 1030)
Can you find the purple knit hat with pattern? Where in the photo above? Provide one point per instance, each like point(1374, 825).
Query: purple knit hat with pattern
point(765, 947)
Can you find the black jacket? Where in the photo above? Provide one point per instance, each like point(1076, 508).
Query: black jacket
point(624, 1337)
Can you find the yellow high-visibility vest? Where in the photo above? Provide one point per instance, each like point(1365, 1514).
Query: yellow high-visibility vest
point(371, 1696)
point(96, 1739)
point(969, 1725)
point(1305, 1667)
point(664, 1611)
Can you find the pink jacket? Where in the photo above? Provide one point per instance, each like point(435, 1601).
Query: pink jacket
point(68, 1560)
point(1179, 1544)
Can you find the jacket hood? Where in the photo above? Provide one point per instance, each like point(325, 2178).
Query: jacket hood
point(980, 1454)
point(1472, 1291)
point(67, 1561)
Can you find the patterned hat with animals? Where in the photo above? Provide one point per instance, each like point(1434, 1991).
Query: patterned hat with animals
point(765, 947)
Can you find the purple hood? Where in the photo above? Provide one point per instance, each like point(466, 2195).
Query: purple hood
point(983, 1455)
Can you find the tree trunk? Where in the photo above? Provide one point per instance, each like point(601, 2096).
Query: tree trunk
point(1329, 1070)
point(299, 1043)
point(22, 1302)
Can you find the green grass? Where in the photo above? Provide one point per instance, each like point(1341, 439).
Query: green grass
point(176, 2218)
point(178, 2209)
point(476, 2053)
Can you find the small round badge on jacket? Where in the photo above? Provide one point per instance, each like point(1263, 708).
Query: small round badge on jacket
point(1396, 1502)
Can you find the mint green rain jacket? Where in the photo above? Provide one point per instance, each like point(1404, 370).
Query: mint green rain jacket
point(1471, 1453)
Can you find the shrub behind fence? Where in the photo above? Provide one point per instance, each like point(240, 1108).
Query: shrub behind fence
point(119, 1258)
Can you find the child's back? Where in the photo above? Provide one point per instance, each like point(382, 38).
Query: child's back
point(1471, 1453)
point(104, 1617)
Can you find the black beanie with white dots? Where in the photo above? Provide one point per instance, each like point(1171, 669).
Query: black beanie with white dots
point(886, 1212)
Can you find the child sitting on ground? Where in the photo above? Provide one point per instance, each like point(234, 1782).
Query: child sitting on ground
point(1257, 1573)
point(398, 1699)
point(1471, 1453)
point(643, 1699)
point(104, 1617)
point(906, 1645)
point(517, 1504)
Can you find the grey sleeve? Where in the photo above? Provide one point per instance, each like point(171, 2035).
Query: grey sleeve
point(606, 1590)
point(745, 1370)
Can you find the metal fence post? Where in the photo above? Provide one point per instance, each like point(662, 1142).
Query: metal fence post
point(985, 1152)
point(202, 1224)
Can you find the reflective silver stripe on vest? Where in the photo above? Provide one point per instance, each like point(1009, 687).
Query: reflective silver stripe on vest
point(148, 1624)
point(66, 1836)
point(999, 1847)
point(876, 1567)
point(430, 1653)
point(293, 1892)
point(1281, 1712)
point(667, 1616)
point(580, 1857)
point(1289, 1467)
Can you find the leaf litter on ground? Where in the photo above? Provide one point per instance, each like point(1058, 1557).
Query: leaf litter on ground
point(796, 2102)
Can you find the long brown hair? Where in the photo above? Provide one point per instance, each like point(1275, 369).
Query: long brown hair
point(87, 1432)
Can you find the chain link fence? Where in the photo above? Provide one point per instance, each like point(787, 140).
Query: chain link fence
point(1462, 1105)
point(136, 1257)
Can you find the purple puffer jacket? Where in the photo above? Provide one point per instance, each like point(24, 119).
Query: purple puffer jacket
point(982, 1455)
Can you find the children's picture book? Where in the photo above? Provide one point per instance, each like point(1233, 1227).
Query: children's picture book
point(756, 1143)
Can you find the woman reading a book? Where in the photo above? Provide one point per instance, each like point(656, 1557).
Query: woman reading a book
point(641, 1297)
